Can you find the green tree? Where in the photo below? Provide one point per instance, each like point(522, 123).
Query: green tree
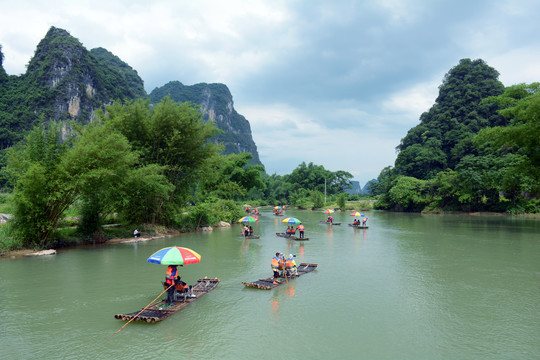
point(50, 174)
point(172, 136)
point(317, 198)
point(230, 176)
point(409, 194)
point(520, 104)
point(478, 181)
point(341, 200)
point(316, 177)
point(447, 190)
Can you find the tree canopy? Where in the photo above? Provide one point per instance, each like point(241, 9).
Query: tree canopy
point(442, 138)
point(477, 148)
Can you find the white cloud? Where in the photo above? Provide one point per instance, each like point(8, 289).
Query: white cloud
point(415, 100)
point(315, 79)
point(519, 65)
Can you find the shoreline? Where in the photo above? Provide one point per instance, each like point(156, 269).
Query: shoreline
point(22, 253)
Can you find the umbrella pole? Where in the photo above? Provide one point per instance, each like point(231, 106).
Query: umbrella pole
point(147, 306)
point(285, 271)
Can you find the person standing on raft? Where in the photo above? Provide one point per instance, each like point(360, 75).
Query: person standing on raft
point(172, 273)
point(300, 229)
point(276, 263)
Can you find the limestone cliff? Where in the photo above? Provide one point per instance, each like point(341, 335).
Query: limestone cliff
point(65, 81)
point(216, 103)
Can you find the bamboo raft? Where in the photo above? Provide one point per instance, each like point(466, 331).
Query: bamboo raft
point(160, 311)
point(331, 223)
point(252, 236)
point(359, 226)
point(268, 283)
point(284, 235)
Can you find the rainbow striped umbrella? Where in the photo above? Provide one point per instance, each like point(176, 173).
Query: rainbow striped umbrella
point(356, 213)
point(174, 255)
point(329, 211)
point(247, 219)
point(291, 220)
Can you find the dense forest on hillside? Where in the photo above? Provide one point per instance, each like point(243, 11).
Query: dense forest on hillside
point(476, 149)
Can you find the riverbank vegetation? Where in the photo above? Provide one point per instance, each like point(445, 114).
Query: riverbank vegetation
point(134, 164)
point(139, 166)
point(476, 149)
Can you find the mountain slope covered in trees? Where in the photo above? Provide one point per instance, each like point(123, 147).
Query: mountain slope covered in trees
point(65, 81)
point(476, 149)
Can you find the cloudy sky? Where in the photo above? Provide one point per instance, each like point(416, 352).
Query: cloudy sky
point(336, 83)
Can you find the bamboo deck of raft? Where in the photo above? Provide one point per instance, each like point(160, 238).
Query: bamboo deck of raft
point(252, 236)
point(160, 311)
point(268, 283)
point(285, 235)
point(330, 223)
point(359, 226)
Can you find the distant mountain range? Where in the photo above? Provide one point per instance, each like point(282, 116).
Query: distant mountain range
point(65, 81)
point(356, 189)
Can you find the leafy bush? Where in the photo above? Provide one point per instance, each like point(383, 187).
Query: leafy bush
point(7, 241)
point(208, 214)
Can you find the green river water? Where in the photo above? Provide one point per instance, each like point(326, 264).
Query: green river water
point(410, 287)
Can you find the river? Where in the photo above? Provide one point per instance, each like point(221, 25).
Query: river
point(410, 286)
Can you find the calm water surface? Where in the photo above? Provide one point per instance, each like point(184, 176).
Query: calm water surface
point(409, 287)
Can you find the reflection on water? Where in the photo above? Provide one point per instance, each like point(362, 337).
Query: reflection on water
point(411, 286)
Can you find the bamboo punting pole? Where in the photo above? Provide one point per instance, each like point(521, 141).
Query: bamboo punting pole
point(147, 306)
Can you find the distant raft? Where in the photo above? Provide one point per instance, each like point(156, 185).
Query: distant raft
point(268, 283)
point(161, 311)
point(252, 236)
point(359, 226)
point(329, 223)
point(285, 235)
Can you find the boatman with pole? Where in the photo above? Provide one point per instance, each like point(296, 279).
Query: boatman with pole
point(277, 261)
point(172, 272)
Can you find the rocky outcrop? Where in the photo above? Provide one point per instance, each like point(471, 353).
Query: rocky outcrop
point(216, 103)
point(76, 81)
